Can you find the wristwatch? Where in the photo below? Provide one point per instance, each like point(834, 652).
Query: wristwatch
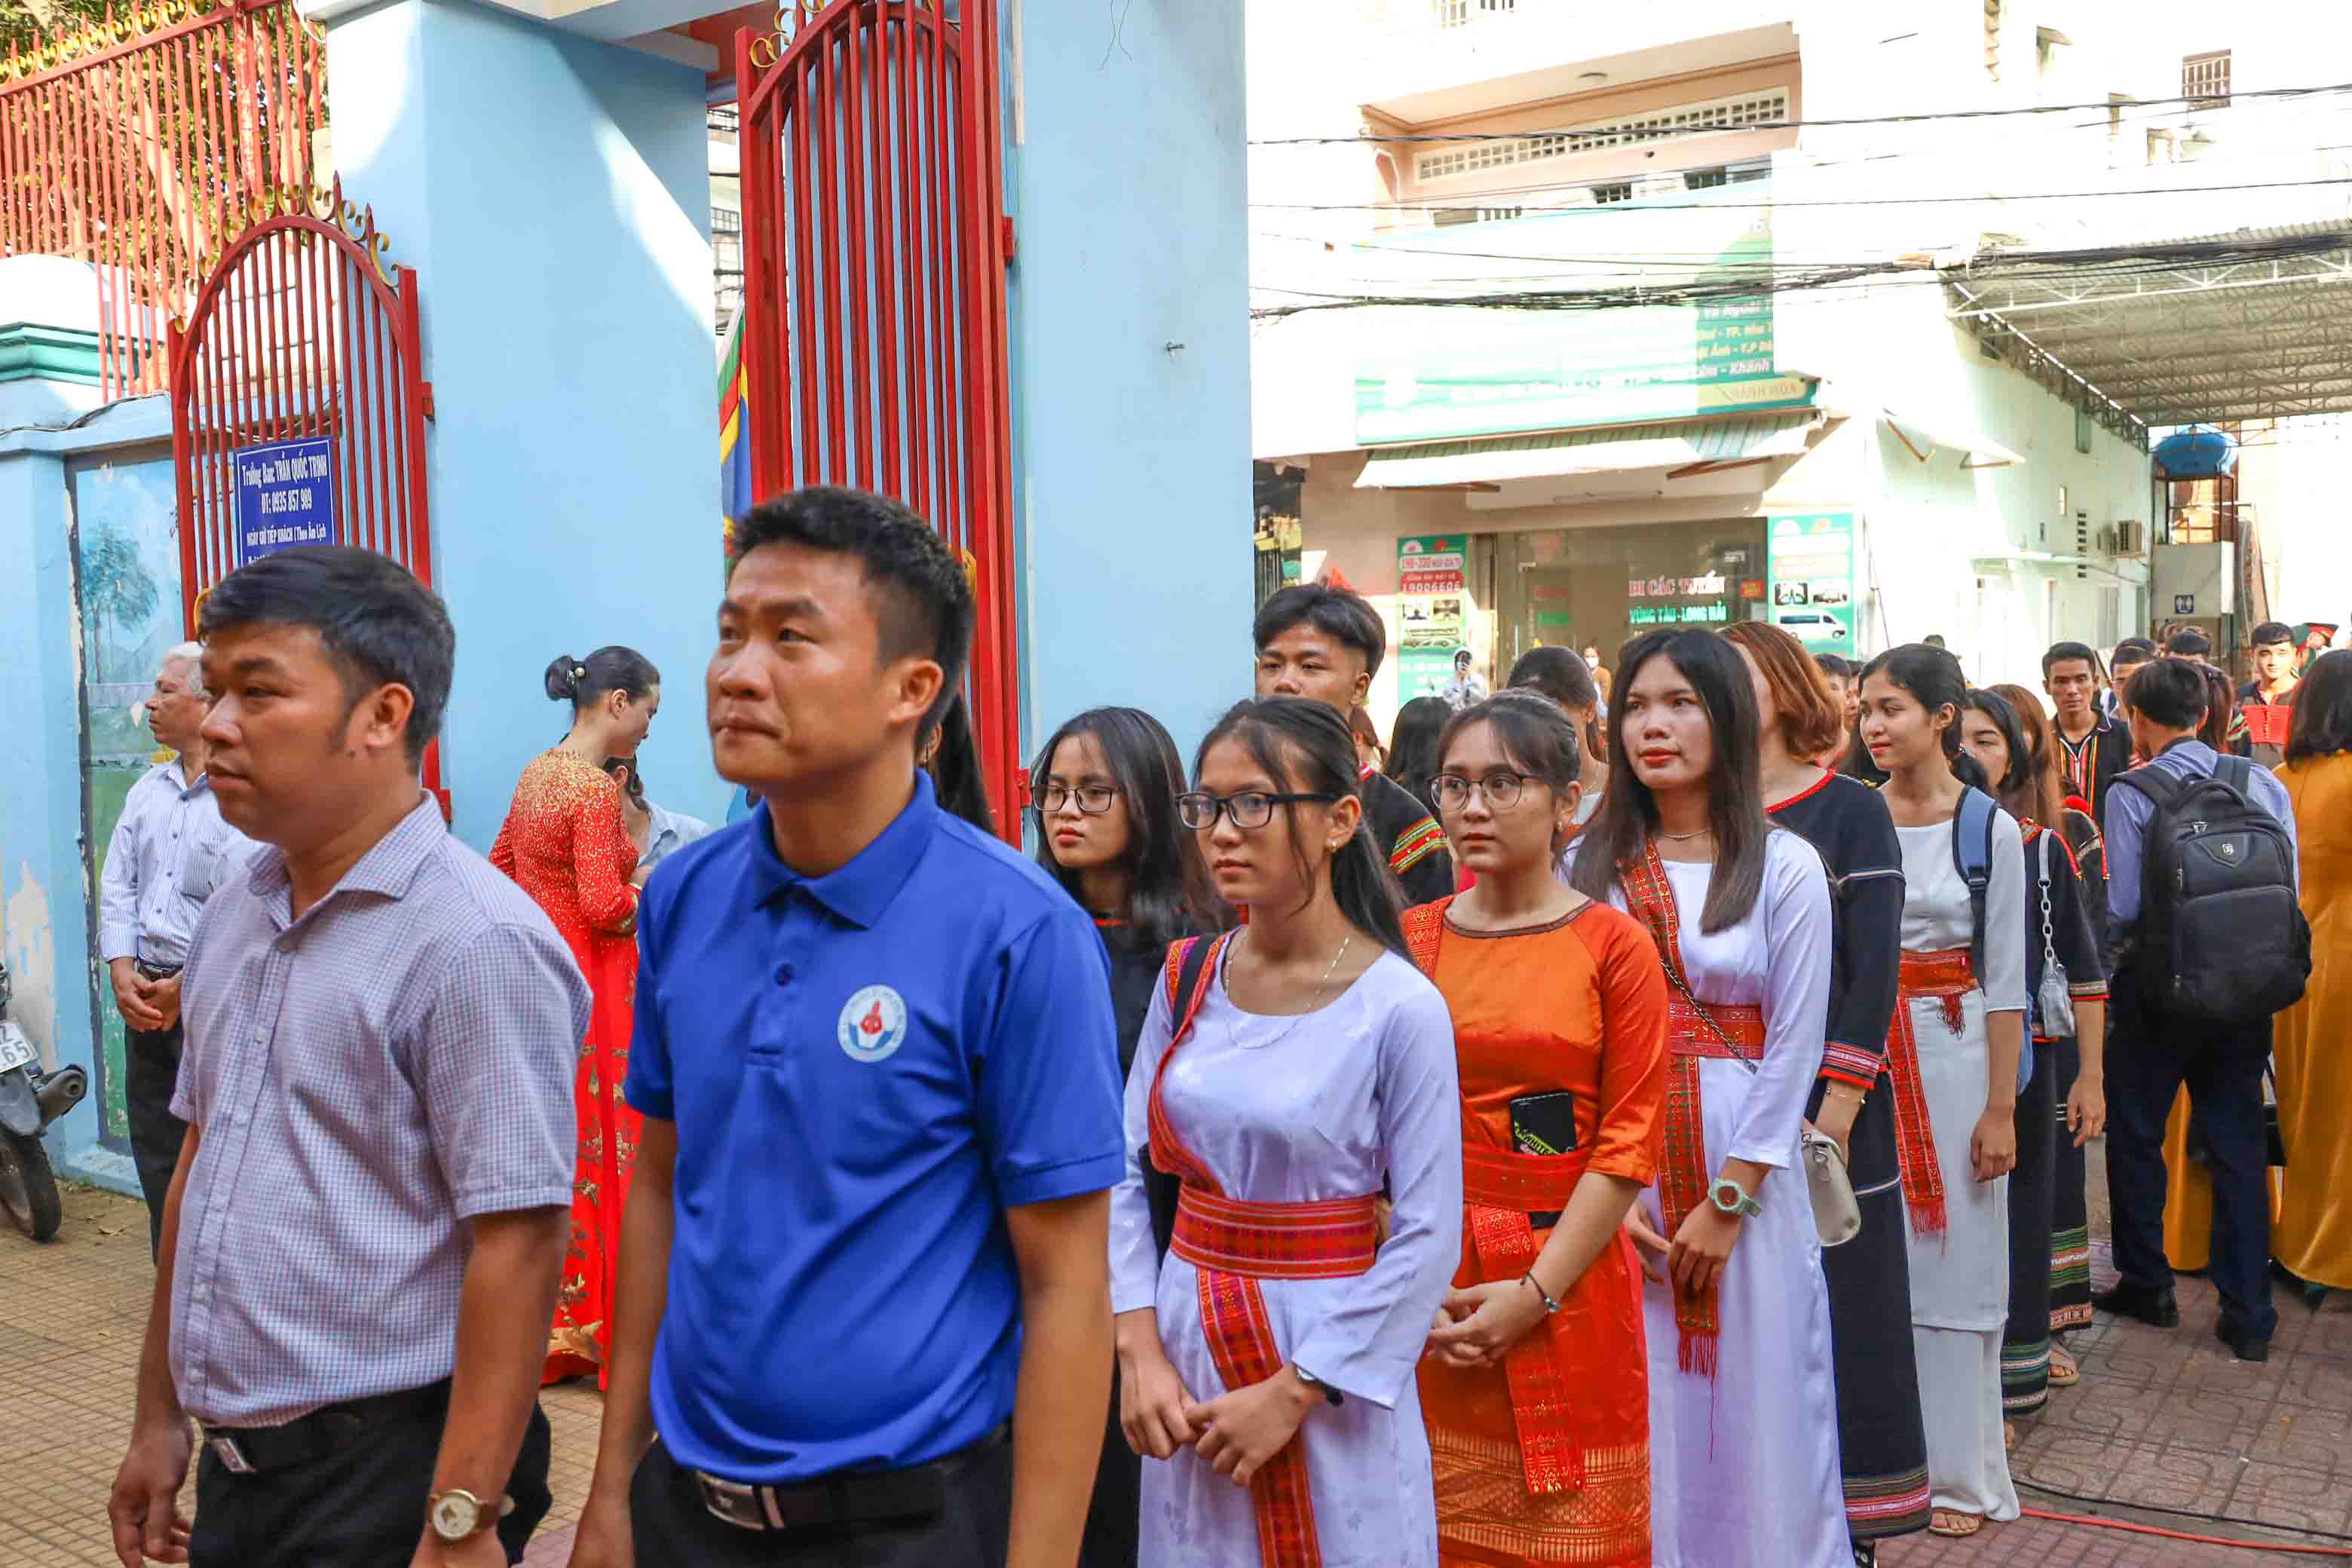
point(1330, 1394)
point(456, 1515)
point(1731, 1199)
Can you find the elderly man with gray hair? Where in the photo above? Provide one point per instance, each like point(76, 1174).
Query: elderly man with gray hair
point(169, 851)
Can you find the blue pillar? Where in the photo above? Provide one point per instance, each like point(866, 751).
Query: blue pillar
point(1126, 153)
point(44, 915)
point(552, 193)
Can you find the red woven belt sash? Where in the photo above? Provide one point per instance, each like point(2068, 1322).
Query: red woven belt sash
point(1947, 977)
point(1694, 1031)
point(1233, 1319)
point(1737, 1034)
point(1499, 1188)
point(1332, 1240)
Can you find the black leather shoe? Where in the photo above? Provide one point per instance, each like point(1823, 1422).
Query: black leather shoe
point(2131, 1299)
point(2242, 1346)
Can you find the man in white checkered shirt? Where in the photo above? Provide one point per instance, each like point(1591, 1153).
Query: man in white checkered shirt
point(362, 1240)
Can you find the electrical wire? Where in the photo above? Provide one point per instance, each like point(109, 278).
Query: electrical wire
point(1633, 206)
point(2103, 263)
point(1934, 117)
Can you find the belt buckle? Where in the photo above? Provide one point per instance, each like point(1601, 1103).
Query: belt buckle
point(232, 1457)
point(732, 1502)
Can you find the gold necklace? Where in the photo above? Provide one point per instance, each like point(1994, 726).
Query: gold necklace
point(1679, 838)
point(1320, 986)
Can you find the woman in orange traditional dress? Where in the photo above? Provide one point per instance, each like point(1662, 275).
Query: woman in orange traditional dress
point(1536, 1392)
point(564, 841)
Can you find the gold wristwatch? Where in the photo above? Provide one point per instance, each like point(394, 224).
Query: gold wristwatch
point(459, 1515)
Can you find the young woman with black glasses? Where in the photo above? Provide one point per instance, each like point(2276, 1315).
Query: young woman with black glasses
point(1286, 1073)
point(1106, 785)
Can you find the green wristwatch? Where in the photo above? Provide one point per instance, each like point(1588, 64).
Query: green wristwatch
point(1731, 1199)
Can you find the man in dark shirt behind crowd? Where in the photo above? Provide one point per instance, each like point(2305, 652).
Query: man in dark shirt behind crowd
point(1325, 643)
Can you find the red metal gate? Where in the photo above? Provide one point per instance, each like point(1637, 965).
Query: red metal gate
point(875, 244)
point(303, 350)
point(130, 143)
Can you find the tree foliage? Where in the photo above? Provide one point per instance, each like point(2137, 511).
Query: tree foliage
point(26, 23)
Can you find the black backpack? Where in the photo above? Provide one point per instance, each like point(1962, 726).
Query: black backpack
point(2221, 935)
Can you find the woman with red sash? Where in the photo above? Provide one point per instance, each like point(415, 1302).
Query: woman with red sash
point(1743, 1412)
point(1952, 1058)
point(1285, 1074)
point(1537, 1392)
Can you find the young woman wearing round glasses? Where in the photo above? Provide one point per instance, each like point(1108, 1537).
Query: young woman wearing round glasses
point(1267, 1362)
point(1105, 785)
point(1559, 1034)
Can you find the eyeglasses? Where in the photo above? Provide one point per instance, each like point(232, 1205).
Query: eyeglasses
point(1249, 810)
point(1093, 799)
point(1451, 792)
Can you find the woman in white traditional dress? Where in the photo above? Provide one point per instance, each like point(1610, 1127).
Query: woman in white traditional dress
point(1283, 1074)
point(1952, 1058)
point(1743, 1414)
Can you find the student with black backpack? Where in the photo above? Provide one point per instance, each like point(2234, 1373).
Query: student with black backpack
point(2202, 897)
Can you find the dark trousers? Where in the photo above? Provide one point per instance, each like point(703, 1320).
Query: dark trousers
point(360, 1507)
point(151, 1063)
point(1115, 1517)
point(2152, 1058)
point(671, 1526)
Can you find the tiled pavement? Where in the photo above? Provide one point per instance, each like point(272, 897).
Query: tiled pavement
point(2160, 1419)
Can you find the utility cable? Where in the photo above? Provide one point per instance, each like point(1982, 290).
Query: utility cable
point(1631, 126)
point(2033, 1486)
point(1628, 207)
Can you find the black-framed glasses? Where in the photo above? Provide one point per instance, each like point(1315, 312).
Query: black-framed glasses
point(1451, 792)
point(1252, 808)
point(1093, 799)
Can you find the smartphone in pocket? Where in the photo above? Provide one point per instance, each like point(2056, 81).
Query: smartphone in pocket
point(1544, 1123)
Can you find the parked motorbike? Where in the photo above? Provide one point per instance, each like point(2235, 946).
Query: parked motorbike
point(29, 1101)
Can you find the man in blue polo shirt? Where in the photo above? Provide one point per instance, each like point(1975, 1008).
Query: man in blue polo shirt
point(878, 1070)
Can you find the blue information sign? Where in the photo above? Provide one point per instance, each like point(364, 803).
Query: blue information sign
point(285, 497)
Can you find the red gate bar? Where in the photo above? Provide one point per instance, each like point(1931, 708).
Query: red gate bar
point(873, 293)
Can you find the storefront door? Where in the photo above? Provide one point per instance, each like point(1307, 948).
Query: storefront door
point(1601, 587)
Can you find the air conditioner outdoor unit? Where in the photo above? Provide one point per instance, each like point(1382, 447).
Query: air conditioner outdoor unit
point(2131, 538)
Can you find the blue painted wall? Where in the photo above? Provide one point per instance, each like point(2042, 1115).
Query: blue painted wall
point(553, 194)
point(45, 928)
point(1126, 179)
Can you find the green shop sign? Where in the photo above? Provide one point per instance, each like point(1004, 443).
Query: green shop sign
point(1460, 372)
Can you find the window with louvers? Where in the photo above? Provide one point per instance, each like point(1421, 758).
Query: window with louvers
point(2205, 79)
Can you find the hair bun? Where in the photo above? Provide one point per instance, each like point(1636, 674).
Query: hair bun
point(563, 677)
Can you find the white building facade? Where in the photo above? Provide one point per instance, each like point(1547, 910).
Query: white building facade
point(1806, 428)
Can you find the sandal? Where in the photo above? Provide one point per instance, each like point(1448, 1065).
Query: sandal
point(1954, 1524)
point(2065, 1371)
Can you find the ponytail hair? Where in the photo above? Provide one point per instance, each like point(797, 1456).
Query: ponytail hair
point(1934, 679)
point(1307, 748)
point(614, 669)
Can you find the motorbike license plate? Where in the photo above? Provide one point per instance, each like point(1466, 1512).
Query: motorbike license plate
point(15, 1050)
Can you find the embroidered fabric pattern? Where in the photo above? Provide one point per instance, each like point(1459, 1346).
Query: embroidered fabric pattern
point(1946, 977)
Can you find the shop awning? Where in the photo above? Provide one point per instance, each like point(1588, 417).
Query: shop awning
point(1920, 437)
point(1684, 447)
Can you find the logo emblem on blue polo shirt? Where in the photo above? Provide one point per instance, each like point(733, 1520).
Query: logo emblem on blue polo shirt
point(873, 1024)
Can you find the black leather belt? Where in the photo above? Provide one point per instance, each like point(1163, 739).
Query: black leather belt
point(250, 1450)
point(156, 970)
point(859, 1497)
